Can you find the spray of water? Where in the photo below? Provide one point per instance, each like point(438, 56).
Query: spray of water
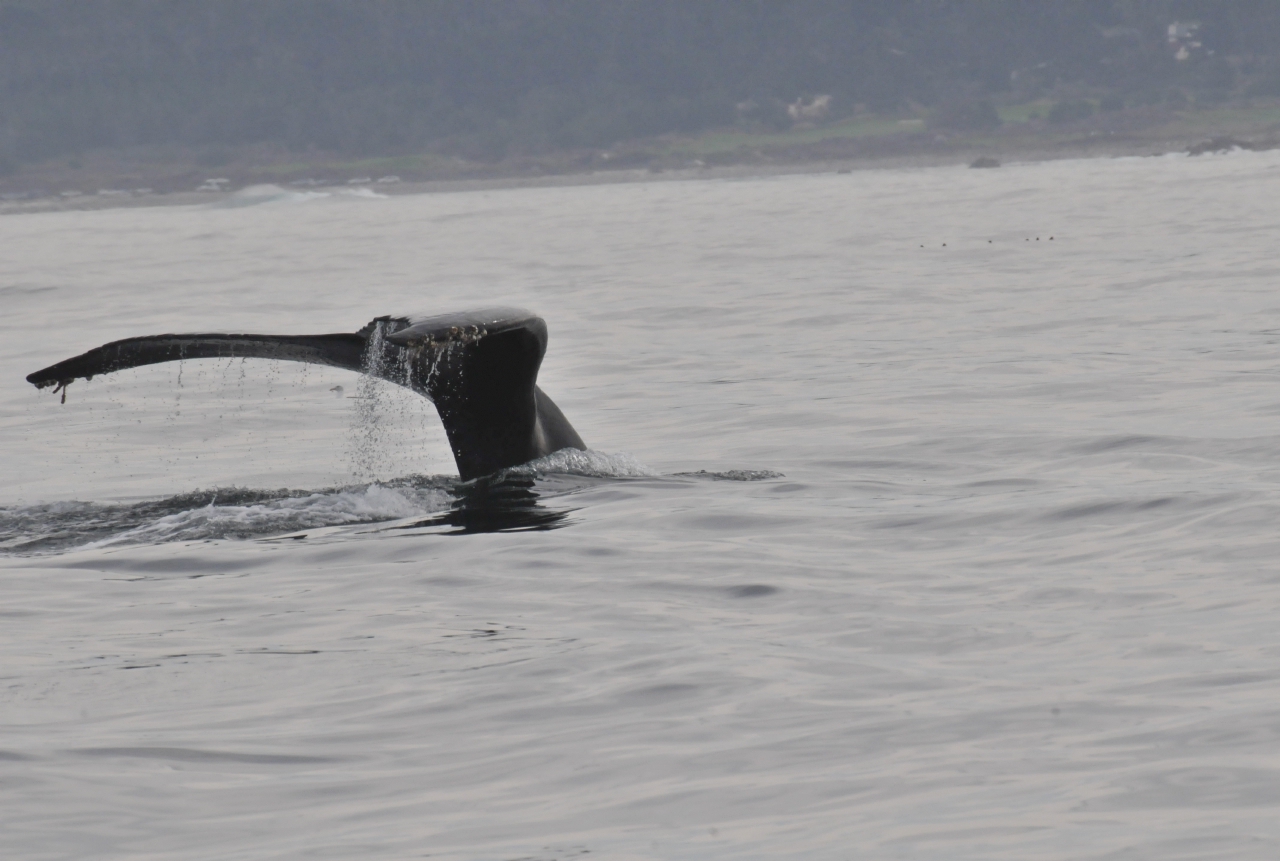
point(391, 430)
point(365, 442)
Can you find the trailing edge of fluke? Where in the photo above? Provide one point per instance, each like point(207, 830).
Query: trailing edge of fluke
point(480, 369)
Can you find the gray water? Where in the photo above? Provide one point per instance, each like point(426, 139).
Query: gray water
point(931, 514)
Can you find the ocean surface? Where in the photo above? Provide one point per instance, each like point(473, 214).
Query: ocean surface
point(930, 514)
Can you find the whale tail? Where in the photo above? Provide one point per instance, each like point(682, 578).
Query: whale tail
point(480, 369)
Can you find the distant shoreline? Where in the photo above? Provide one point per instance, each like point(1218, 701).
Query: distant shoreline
point(667, 161)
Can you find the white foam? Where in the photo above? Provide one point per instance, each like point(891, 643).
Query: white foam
point(362, 193)
point(597, 464)
point(267, 193)
point(256, 195)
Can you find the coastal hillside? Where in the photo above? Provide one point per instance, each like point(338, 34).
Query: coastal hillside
point(228, 83)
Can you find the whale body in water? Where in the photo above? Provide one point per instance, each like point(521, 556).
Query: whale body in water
point(479, 368)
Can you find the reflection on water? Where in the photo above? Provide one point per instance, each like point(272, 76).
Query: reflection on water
point(503, 503)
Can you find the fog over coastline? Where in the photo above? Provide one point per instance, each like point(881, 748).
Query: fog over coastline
point(486, 82)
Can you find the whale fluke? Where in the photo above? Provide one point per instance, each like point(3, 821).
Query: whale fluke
point(480, 369)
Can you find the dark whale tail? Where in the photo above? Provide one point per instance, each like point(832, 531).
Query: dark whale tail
point(480, 368)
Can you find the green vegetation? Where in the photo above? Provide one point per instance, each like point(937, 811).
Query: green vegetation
point(1026, 112)
point(728, 140)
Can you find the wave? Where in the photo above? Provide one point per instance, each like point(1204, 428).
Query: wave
point(257, 195)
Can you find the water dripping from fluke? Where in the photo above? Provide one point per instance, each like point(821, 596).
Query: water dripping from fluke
point(479, 368)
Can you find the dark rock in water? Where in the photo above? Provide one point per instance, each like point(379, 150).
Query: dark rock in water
point(985, 161)
point(1222, 143)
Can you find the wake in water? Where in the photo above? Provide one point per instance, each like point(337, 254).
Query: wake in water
point(236, 513)
point(512, 500)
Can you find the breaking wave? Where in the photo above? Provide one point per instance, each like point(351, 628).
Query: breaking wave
point(257, 195)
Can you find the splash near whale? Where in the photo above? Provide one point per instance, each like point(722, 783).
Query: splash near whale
point(479, 368)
